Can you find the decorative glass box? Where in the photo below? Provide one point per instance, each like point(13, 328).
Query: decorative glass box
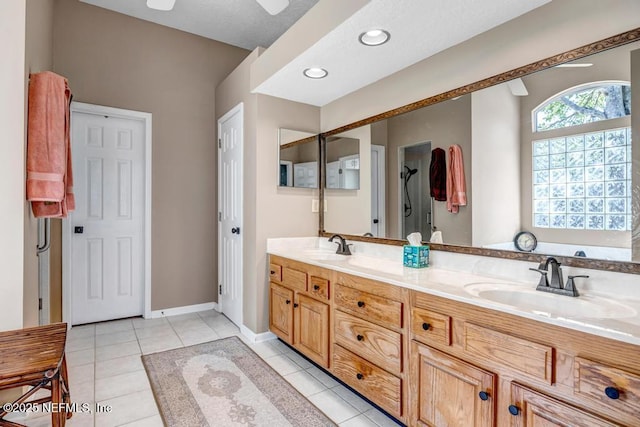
point(416, 256)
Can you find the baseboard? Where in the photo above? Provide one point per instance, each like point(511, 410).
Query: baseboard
point(173, 311)
point(256, 338)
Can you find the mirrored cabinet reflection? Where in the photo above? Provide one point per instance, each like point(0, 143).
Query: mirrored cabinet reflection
point(298, 159)
point(343, 163)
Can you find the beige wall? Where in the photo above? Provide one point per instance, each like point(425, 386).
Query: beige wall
point(39, 57)
point(280, 212)
point(508, 46)
point(12, 170)
point(118, 61)
point(495, 126)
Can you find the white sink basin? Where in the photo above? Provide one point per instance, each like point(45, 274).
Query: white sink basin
point(323, 255)
point(378, 264)
point(548, 304)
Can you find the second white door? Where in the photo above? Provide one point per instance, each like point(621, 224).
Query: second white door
point(107, 227)
point(230, 227)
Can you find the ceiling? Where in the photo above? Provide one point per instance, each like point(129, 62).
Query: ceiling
point(242, 23)
point(418, 28)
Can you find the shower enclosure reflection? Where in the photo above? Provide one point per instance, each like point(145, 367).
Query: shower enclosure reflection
point(416, 202)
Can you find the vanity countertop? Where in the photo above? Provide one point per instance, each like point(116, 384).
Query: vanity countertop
point(602, 314)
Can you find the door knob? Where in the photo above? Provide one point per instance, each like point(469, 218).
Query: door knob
point(235, 230)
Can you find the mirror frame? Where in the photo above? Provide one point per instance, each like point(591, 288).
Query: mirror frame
point(580, 52)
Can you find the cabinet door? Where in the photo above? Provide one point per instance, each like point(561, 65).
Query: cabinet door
point(312, 329)
point(532, 409)
point(281, 312)
point(451, 393)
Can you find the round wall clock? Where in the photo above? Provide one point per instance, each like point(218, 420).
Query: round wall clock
point(525, 241)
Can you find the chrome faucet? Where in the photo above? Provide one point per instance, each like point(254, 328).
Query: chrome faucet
point(343, 247)
point(555, 285)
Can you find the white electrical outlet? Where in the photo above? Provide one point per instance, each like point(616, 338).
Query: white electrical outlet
point(315, 205)
point(325, 205)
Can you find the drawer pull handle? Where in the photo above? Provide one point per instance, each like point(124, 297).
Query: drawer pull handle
point(273, 272)
point(426, 326)
point(295, 305)
point(514, 410)
point(316, 287)
point(359, 376)
point(360, 304)
point(612, 392)
point(483, 395)
point(288, 301)
point(360, 337)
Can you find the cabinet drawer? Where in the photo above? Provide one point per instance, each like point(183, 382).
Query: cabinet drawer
point(319, 287)
point(275, 272)
point(377, 384)
point(368, 306)
point(429, 326)
point(375, 343)
point(521, 356)
point(613, 390)
point(294, 278)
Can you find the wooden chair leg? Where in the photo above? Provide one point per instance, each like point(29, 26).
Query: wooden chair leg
point(56, 397)
point(66, 392)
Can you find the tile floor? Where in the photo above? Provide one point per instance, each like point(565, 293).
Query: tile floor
point(105, 369)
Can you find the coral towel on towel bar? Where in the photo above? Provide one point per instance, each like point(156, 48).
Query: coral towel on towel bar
point(456, 186)
point(49, 175)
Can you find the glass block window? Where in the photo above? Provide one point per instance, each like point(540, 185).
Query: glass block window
point(583, 181)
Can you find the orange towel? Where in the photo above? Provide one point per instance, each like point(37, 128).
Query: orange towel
point(49, 180)
point(456, 186)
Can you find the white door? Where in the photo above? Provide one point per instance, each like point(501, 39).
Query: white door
point(377, 191)
point(230, 229)
point(108, 226)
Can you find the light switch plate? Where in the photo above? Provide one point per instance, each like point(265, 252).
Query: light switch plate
point(315, 205)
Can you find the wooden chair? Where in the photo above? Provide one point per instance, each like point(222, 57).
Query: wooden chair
point(34, 357)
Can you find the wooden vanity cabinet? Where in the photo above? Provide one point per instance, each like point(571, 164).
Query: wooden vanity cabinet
point(432, 361)
point(299, 307)
point(533, 374)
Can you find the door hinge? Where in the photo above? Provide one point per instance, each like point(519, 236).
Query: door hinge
point(219, 216)
point(39, 303)
point(219, 143)
point(220, 290)
point(340, 171)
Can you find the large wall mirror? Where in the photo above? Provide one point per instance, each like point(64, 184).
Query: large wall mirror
point(548, 152)
point(298, 159)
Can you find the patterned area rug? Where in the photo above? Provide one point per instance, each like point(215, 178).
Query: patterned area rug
point(224, 383)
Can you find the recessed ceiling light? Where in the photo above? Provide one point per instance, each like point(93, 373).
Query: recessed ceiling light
point(374, 37)
point(315, 73)
point(161, 4)
point(575, 65)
